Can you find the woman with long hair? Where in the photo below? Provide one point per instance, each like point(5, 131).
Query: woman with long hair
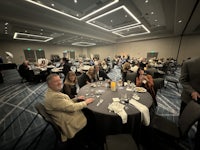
point(70, 85)
point(146, 81)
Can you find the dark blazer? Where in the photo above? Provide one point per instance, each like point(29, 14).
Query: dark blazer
point(83, 79)
point(66, 68)
point(103, 75)
point(190, 78)
point(70, 90)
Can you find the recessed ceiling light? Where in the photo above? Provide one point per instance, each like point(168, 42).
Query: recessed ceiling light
point(152, 12)
point(179, 21)
point(146, 1)
point(111, 20)
point(68, 15)
point(126, 16)
point(52, 5)
point(91, 21)
point(146, 31)
point(155, 20)
point(83, 44)
point(75, 1)
point(31, 37)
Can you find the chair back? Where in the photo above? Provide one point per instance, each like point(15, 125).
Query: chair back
point(189, 116)
point(131, 76)
point(81, 80)
point(119, 142)
point(42, 111)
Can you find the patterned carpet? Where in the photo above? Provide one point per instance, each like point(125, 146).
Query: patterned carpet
point(19, 123)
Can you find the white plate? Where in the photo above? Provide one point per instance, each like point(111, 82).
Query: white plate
point(140, 89)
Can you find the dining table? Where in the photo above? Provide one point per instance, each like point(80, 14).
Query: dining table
point(107, 121)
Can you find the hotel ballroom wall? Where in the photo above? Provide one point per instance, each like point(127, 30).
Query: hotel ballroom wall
point(166, 47)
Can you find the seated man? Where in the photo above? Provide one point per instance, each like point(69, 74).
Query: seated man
point(25, 72)
point(65, 112)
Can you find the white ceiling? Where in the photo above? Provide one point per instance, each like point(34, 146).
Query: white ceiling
point(87, 21)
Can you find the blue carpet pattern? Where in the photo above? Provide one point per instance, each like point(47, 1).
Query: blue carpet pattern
point(19, 124)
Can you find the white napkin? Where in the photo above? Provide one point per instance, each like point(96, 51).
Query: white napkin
point(136, 97)
point(145, 117)
point(129, 89)
point(118, 108)
point(115, 99)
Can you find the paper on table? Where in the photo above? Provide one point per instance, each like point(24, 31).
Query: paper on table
point(136, 97)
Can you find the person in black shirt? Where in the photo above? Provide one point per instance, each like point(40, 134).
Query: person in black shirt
point(71, 86)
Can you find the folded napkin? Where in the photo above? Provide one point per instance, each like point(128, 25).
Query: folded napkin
point(118, 108)
point(145, 118)
point(136, 97)
point(115, 99)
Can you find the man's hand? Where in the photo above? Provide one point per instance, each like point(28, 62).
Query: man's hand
point(81, 97)
point(89, 100)
point(195, 95)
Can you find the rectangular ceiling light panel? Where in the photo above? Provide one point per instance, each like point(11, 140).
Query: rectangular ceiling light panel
point(132, 31)
point(76, 16)
point(83, 44)
point(31, 37)
point(94, 21)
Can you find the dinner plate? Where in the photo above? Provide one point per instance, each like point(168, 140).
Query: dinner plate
point(140, 89)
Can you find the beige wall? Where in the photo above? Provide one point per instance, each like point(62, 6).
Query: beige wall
point(16, 48)
point(166, 47)
point(103, 51)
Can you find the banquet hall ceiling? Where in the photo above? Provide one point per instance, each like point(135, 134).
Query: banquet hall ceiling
point(101, 22)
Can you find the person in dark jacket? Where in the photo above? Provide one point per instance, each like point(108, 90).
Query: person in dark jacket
point(66, 66)
point(190, 80)
point(100, 74)
point(24, 71)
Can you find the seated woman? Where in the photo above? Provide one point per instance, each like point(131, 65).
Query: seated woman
point(146, 81)
point(87, 77)
point(70, 86)
point(125, 68)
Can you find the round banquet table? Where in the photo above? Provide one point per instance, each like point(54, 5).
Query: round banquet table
point(108, 122)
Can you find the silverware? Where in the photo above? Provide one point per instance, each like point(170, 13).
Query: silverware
point(100, 101)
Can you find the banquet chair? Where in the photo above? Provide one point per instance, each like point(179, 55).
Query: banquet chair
point(80, 79)
point(119, 142)
point(172, 80)
point(72, 143)
point(131, 76)
point(163, 128)
point(41, 110)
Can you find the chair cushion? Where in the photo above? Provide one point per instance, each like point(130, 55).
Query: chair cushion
point(165, 126)
point(120, 142)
